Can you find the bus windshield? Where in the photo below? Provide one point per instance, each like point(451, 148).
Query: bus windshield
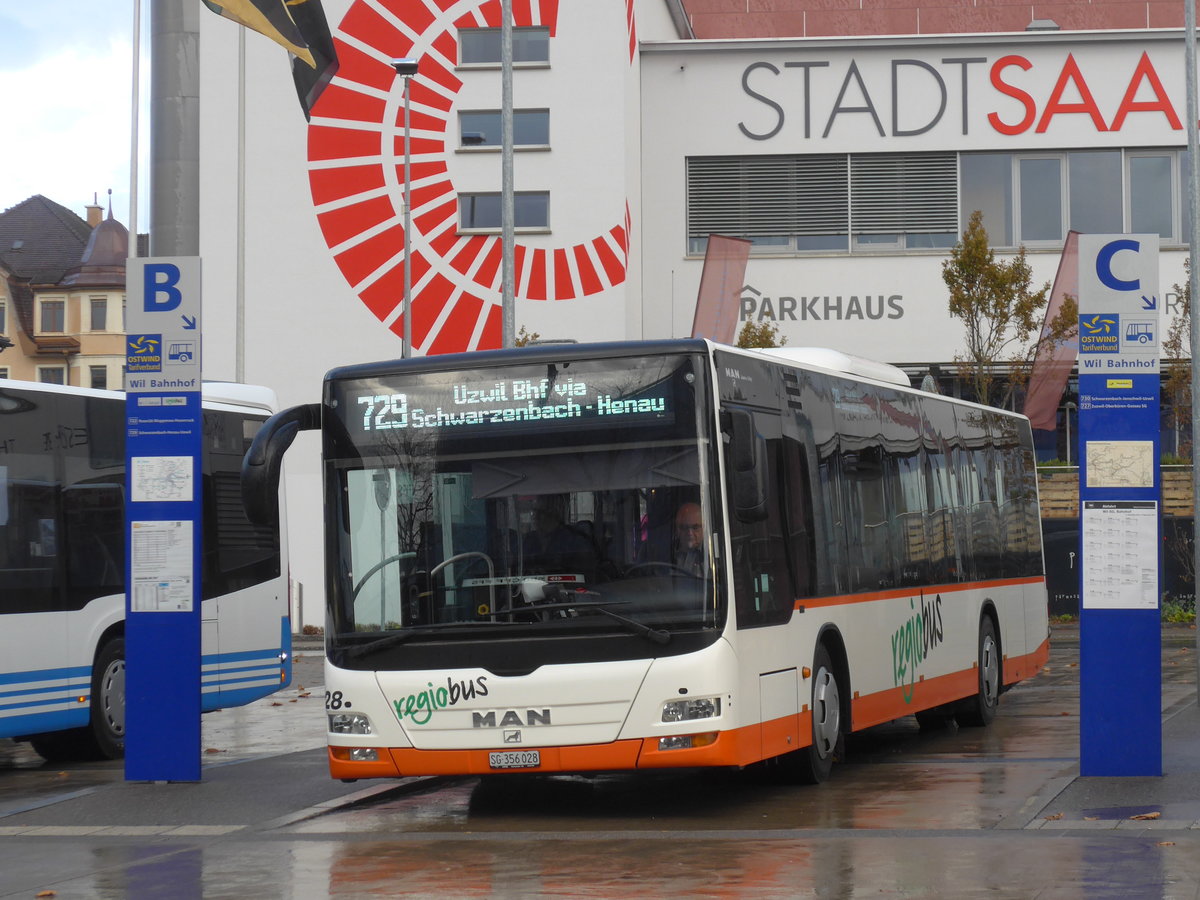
point(561, 499)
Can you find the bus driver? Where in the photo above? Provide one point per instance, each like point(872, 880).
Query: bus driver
point(688, 545)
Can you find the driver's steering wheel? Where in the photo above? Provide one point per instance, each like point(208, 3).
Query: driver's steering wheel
point(378, 567)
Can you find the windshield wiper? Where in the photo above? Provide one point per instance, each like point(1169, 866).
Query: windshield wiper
point(400, 637)
point(657, 635)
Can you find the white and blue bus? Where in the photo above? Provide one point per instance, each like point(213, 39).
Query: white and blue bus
point(506, 535)
point(62, 566)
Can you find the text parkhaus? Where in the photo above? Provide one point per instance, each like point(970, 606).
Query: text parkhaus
point(757, 307)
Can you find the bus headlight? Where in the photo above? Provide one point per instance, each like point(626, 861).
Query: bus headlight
point(687, 710)
point(349, 723)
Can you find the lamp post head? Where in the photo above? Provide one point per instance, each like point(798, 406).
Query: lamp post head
point(405, 67)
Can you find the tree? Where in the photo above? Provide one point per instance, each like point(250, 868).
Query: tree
point(525, 338)
point(1177, 347)
point(763, 334)
point(1002, 313)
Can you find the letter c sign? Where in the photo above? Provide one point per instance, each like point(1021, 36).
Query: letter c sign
point(1104, 265)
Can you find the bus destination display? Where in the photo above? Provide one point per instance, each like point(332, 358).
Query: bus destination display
point(512, 401)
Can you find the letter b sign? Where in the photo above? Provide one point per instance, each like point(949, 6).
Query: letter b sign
point(161, 287)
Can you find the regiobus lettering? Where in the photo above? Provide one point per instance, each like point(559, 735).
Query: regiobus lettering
point(912, 642)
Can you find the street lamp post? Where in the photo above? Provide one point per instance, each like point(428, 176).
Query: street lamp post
point(406, 68)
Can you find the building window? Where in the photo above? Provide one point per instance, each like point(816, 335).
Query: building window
point(3, 317)
point(99, 307)
point(53, 316)
point(987, 186)
point(1040, 194)
point(1095, 197)
point(823, 203)
point(778, 203)
point(481, 128)
point(3, 371)
point(904, 200)
point(481, 212)
point(481, 46)
point(98, 376)
point(1156, 178)
point(52, 374)
point(1036, 198)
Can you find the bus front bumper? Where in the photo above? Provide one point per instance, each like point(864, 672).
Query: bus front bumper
point(711, 749)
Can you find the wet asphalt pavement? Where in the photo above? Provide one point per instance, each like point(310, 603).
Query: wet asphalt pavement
point(995, 812)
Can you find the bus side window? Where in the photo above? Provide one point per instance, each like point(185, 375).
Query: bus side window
point(237, 553)
point(763, 590)
point(94, 519)
point(799, 518)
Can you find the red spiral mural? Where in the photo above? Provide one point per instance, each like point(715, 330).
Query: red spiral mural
point(356, 158)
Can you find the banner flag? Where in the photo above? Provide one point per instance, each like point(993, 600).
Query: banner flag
point(1053, 363)
point(721, 281)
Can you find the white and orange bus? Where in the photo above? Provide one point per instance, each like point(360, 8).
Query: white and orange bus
point(503, 577)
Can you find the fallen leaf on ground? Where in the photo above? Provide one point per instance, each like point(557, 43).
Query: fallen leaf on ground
point(213, 750)
point(1064, 713)
point(306, 694)
point(276, 703)
point(1091, 818)
point(1054, 817)
point(1166, 843)
point(46, 894)
point(1145, 816)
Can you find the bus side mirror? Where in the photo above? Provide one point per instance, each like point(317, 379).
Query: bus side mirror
point(262, 462)
point(748, 467)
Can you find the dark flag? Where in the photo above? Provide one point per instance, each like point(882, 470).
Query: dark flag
point(311, 79)
point(299, 26)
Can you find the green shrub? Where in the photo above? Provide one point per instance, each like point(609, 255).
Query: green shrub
point(1179, 612)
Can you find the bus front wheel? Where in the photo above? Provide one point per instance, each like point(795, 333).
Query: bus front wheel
point(816, 761)
point(108, 700)
point(104, 735)
point(980, 709)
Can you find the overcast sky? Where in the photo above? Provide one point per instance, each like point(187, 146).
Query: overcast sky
point(65, 69)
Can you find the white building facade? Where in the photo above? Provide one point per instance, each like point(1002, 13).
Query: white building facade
point(851, 164)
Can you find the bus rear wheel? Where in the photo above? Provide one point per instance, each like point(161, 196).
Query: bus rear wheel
point(981, 709)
